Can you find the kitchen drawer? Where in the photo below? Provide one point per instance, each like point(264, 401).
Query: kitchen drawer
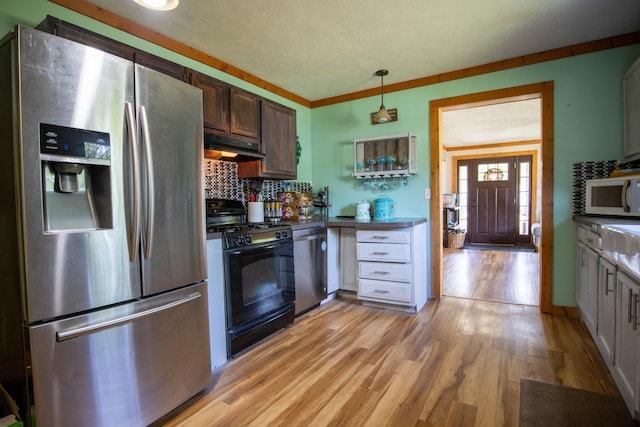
point(385, 252)
point(591, 239)
point(384, 236)
point(394, 272)
point(380, 290)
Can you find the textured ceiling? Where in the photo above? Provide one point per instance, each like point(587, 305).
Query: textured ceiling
point(492, 124)
point(320, 49)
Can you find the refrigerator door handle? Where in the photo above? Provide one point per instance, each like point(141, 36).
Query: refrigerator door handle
point(150, 205)
point(134, 238)
point(90, 329)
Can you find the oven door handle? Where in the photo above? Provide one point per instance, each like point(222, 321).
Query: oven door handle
point(246, 249)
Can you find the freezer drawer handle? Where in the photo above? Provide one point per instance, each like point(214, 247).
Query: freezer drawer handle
point(90, 329)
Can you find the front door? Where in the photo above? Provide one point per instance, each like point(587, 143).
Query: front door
point(495, 208)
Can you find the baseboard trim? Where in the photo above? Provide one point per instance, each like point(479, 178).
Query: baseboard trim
point(558, 310)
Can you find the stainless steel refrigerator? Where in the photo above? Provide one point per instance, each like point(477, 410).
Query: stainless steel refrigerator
point(103, 300)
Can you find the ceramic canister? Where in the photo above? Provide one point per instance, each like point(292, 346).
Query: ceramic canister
point(363, 211)
point(383, 208)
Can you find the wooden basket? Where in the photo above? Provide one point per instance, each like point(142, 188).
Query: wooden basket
point(457, 240)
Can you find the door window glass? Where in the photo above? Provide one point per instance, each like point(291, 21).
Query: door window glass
point(493, 172)
point(524, 198)
point(463, 195)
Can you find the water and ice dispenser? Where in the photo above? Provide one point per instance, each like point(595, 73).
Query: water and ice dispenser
point(76, 179)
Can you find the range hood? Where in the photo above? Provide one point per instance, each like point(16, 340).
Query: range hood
point(221, 147)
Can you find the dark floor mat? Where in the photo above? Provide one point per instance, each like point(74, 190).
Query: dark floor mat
point(552, 405)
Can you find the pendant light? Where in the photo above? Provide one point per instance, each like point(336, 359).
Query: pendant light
point(382, 116)
point(158, 4)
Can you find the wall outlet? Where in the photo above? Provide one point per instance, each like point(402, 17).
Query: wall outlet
point(427, 193)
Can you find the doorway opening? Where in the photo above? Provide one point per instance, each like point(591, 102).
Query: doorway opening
point(495, 198)
point(541, 91)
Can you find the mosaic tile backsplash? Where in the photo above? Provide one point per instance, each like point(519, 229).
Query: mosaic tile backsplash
point(221, 182)
point(583, 171)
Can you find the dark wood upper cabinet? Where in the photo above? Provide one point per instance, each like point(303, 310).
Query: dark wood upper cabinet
point(278, 144)
point(78, 34)
point(160, 64)
point(89, 38)
point(245, 113)
point(215, 98)
point(228, 110)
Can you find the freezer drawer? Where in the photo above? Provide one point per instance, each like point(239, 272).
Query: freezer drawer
point(127, 365)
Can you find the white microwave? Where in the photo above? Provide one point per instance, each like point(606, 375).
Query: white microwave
point(618, 196)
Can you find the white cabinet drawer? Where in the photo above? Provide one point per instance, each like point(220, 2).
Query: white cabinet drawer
point(379, 290)
point(384, 236)
point(589, 238)
point(385, 252)
point(394, 272)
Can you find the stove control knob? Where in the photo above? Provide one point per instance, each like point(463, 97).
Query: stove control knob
point(247, 240)
point(277, 234)
point(284, 234)
point(238, 241)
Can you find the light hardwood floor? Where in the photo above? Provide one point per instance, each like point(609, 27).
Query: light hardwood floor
point(499, 276)
point(458, 362)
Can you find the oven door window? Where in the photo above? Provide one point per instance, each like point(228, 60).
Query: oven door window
point(260, 280)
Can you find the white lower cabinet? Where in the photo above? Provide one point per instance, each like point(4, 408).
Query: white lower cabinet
point(608, 298)
point(627, 347)
point(217, 316)
point(392, 266)
point(587, 263)
point(606, 335)
point(348, 266)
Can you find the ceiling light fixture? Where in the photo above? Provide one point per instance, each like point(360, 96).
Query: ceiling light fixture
point(382, 116)
point(158, 4)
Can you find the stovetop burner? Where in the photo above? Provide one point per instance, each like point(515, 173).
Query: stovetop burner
point(229, 218)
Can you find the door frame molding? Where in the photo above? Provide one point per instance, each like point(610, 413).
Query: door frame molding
point(542, 91)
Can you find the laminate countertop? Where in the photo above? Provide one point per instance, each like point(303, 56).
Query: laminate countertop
point(353, 223)
point(346, 222)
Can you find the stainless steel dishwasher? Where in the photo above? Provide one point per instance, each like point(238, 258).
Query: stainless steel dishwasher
point(310, 263)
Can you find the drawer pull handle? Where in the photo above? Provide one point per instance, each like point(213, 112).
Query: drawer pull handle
point(636, 298)
point(379, 253)
point(381, 272)
point(381, 291)
point(606, 284)
point(630, 314)
point(380, 237)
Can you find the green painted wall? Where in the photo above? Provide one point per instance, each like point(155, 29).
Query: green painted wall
point(588, 126)
point(32, 12)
